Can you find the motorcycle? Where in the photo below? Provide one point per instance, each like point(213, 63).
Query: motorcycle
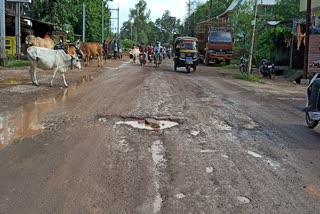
point(157, 60)
point(150, 57)
point(266, 68)
point(312, 118)
point(244, 63)
point(142, 58)
point(168, 53)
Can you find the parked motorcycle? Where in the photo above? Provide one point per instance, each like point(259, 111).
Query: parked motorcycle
point(266, 68)
point(244, 63)
point(312, 118)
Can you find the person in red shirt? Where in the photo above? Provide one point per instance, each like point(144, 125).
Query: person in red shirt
point(150, 52)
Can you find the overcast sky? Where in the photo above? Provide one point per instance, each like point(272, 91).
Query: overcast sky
point(176, 7)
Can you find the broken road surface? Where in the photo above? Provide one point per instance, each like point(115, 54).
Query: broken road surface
point(137, 139)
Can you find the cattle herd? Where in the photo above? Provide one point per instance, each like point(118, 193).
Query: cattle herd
point(41, 54)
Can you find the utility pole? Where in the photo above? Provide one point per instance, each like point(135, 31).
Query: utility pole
point(118, 21)
point(18, 30)
point(306, 45)
point(189, 18)
point(84, 21)
point(3, 57)
point(253, 34)
point(209, 15)
point(102, 21)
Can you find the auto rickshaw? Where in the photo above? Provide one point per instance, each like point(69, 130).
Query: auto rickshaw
point(185, 53)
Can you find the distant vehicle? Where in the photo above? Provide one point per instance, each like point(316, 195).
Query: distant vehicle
point(266, 68)
point(215, 41)
point(185, 53)
point(244, 63)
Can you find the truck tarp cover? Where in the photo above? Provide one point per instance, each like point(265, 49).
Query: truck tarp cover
point(220, 37)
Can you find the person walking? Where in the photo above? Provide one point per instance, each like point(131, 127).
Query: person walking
point(105, 49)
point(115, 49)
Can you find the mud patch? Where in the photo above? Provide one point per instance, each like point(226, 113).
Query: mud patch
point(313, 190)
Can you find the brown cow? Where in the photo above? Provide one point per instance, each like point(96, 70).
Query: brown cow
point(39, 42)
point(71, 50)
point(90, 49)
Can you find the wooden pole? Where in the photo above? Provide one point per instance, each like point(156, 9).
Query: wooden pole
point(306, 45)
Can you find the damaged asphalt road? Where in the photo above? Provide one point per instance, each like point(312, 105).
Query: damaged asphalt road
point(140, 140)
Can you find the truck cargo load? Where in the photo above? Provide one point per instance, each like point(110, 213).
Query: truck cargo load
point(215, 41)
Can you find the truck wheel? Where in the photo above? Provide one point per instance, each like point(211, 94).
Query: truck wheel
point(175, 66)
point(194, 67)
point(228, 62)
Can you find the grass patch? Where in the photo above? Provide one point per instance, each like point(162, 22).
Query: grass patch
point(17, 63)
point(231, 66)
point(248, 77)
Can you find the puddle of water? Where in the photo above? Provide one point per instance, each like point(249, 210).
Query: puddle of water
point(209, 169)
point(273, 164)
point(254, 154)
point(142, 125)
point(244, 200)
point(14, 81)
point(207, 151)
point(157, 151)
point(180, 196)
point(195, 133)
point(24, 121)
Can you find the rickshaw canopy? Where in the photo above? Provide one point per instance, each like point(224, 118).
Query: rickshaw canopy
point(186, 43)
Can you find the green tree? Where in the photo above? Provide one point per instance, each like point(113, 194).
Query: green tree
point(67, 14)
point(140, 15)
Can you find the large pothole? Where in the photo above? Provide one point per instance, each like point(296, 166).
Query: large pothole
point(147, 123)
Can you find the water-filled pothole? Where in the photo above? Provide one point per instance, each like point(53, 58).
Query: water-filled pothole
point(25, 120)
point(14, 81)
point(147, 124)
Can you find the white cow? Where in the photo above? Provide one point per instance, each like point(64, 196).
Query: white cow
point(48, 59)
point(135, 55)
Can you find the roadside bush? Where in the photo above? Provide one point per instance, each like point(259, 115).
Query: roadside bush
point(248, 77)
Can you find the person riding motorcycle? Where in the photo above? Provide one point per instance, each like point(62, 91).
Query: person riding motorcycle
point(168, 50)
point(158, 51)
point(142, 50)
point(150, 52)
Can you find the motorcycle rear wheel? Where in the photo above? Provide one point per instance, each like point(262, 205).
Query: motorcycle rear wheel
point(311, 123)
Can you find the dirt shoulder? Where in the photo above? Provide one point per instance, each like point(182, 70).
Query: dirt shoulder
point(16, 88)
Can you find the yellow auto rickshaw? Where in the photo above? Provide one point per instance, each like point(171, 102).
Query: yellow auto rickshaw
point(185, 53)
